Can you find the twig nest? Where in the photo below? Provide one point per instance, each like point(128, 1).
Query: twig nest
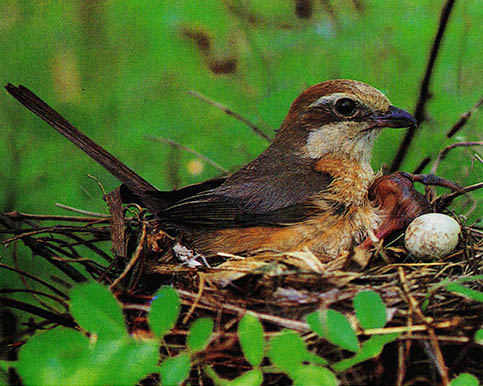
point(432, 236)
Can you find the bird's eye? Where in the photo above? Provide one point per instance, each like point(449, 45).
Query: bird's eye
point(346, 106)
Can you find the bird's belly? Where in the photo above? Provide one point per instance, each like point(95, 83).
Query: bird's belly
point(326, 235)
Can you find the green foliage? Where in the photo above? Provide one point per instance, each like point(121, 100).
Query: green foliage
point(370, 309)
point(315, 376)
point(4, 372)
point(249, 378)
point(479, 336)
point(164, 311)
point(288, 352)
point(465, 379)
point(65, 356)
point(67, 346)
point(250, 333)
point(111, 356)
point(457, 286)
point(175, 370)
point(465, 291)
point(199, 334)
point(97, 311)
point(334, 326)
point(370, 349)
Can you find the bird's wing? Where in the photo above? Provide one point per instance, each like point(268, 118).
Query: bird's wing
point(280, 199)
point(161, 200)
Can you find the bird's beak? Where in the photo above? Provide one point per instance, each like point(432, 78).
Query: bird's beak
point(394, 117)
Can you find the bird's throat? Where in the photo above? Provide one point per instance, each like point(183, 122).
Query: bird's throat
point(346, 139)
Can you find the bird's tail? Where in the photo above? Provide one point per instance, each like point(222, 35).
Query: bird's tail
point(134, 182)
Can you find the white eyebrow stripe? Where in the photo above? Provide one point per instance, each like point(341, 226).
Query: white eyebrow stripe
point(331, 98)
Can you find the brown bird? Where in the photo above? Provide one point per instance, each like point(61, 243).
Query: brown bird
point(309, 188)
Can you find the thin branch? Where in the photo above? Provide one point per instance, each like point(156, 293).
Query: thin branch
point(62, 319)
point(132, 262)
point(82, 211)
point(235, 115)
point(188, 150)
point(278, 320)
point(39, 293)
point(443, 153)
point(414, 307)
point(424, 94)
point(41, 250)
point(445, 200)
point(463, 119)
point(59, 229)
point(27, 284)
point(17, 216)
point(33, 277)
point(425, 161)
point(91, 246)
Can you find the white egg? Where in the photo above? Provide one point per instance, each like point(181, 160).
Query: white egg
point(432, 236)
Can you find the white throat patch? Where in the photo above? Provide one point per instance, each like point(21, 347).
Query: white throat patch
point(346, 138)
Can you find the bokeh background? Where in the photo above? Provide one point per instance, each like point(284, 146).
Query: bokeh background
point(121, 70)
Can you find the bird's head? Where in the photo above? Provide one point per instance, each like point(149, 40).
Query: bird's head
point(341, 117)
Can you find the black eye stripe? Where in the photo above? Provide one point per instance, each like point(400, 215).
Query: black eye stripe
point(346, 106)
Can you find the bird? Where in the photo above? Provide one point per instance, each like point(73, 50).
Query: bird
point(312, 187)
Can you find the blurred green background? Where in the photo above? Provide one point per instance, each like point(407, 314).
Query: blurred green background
point(121, 70)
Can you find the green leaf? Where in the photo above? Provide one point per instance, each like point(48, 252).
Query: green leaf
point(217, 380)
point(311, 375)
point(370, 310)
point(250, 378)
point(333, 326)
point(4, 372)
point(479, 336)
point(164, 311)
point(117, 362)
point(175, 370)
point(52, 357)
point(370, 349)
point(96, 310)
point(288, 351)
point(250, 334)
point(465, 379)
point(466, 292)
point(199, 334)
point(65, 356)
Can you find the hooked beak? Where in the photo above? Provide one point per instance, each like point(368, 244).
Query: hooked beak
point(395, 117)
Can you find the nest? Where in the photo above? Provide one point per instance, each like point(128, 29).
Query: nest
point(437, 325)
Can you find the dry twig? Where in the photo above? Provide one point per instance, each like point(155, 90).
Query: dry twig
point(188, 150)
point(443, 153)
point(463, 119)
point(226, 110)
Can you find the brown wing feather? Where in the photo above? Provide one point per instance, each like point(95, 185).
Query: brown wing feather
point(275, 189)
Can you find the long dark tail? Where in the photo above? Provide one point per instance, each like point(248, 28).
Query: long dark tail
point(135, 183)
